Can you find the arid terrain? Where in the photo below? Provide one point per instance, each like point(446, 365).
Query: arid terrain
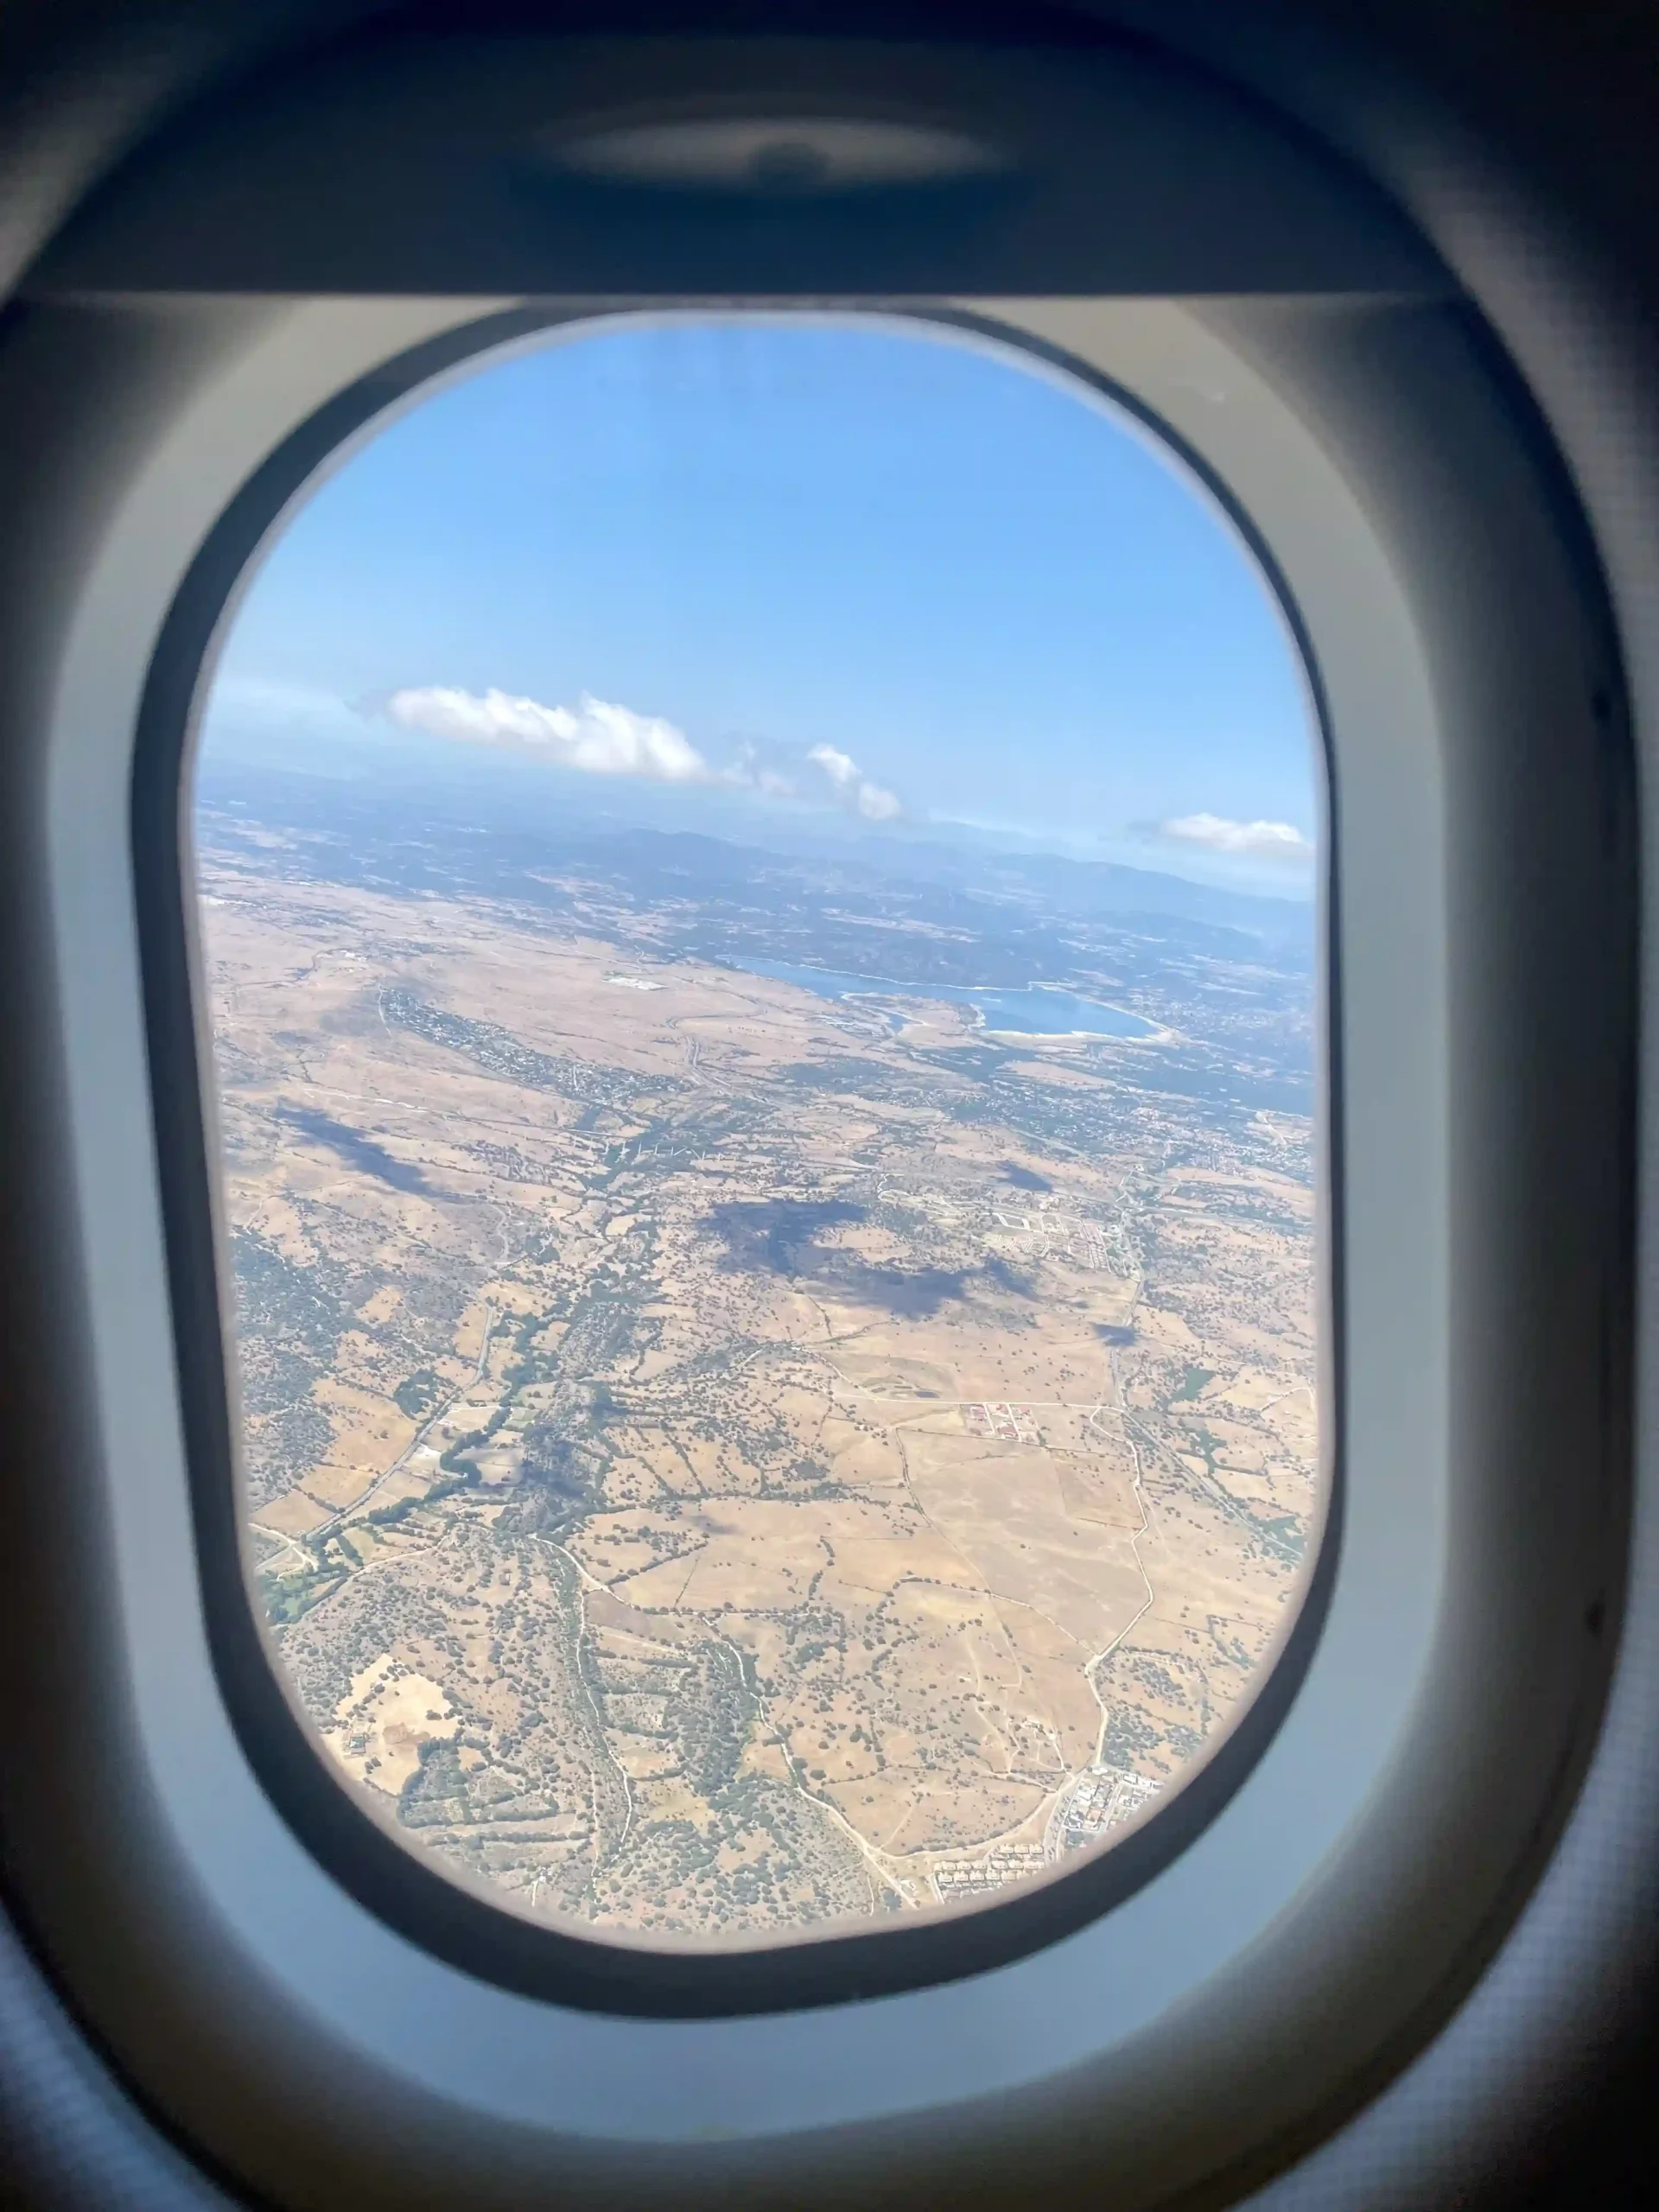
point(721, 1458)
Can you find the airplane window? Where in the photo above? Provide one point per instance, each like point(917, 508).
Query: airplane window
point(757, 889)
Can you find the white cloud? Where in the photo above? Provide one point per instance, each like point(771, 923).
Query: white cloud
point(600, 738)
point(853, 788)
point(749, 773)
point(841, 768)
point(1270, 841)
point(595, 736)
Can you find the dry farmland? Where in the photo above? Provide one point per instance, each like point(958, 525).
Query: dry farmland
point(718, 1458)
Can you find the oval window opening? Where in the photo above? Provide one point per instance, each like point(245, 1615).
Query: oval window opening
point(758, 883)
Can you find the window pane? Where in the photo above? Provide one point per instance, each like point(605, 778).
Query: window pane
point(757, 882)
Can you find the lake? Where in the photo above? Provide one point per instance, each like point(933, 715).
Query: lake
point(1037, 1011)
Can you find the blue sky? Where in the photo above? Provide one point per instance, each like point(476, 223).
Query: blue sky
point(815, 569)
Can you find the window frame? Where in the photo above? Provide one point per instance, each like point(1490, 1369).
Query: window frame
point(190, 1943)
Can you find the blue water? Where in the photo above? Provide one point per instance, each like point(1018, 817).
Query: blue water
point(1037, 1012)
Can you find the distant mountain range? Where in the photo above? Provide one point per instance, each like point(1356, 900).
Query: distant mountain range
point(1086, 889)
point(1052, 882)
